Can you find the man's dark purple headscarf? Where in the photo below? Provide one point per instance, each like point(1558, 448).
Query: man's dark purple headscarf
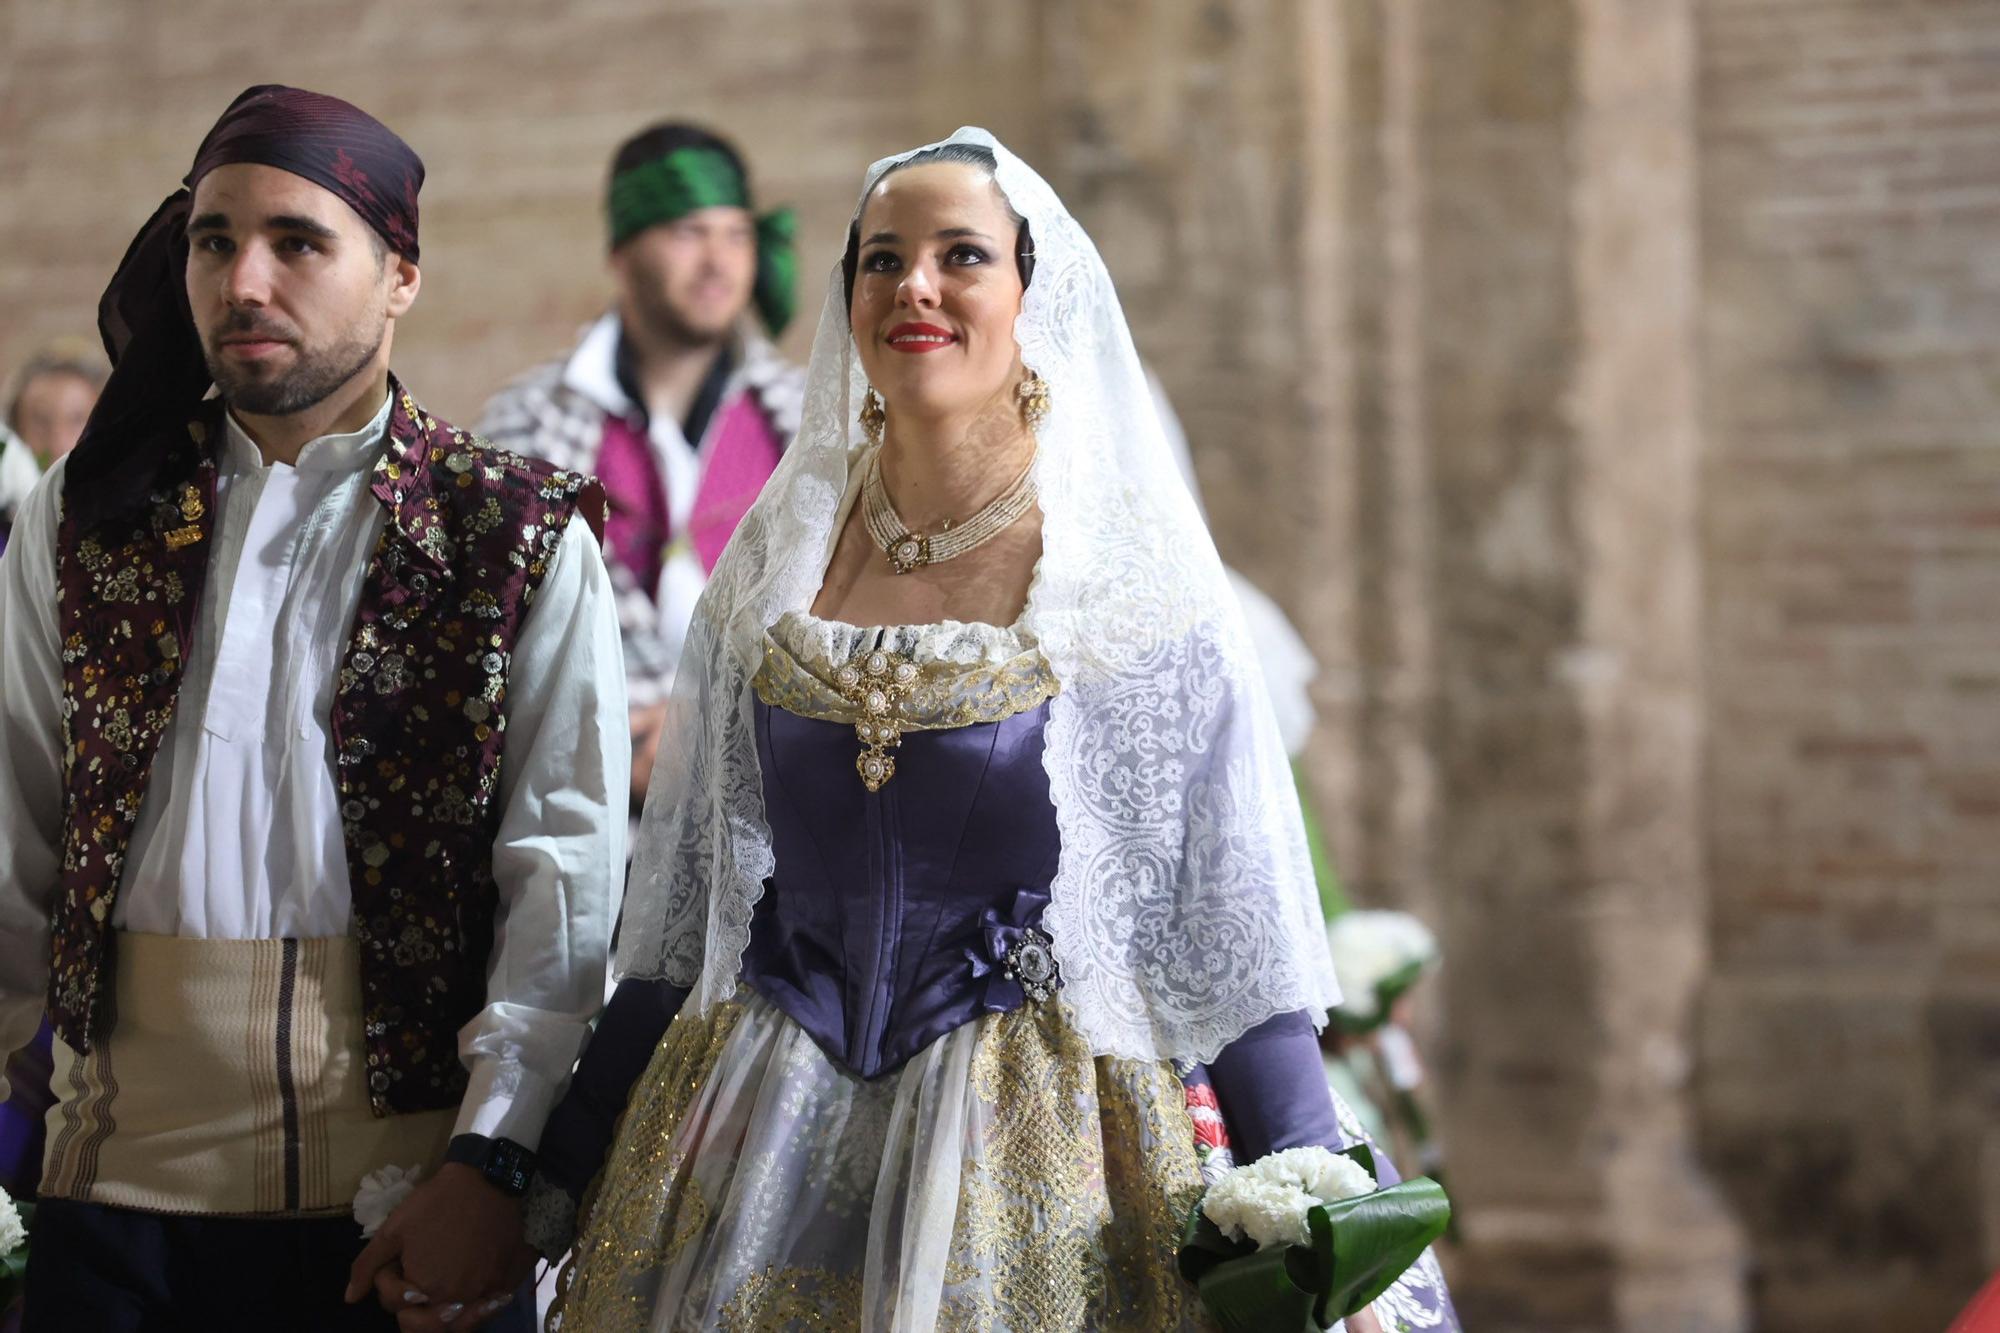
point(158, 373)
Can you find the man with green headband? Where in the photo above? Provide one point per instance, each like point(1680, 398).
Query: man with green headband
point(677, 404)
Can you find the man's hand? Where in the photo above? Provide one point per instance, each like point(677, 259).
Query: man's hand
point(1364, 1321)
point(455, 1242)
point(647, 725)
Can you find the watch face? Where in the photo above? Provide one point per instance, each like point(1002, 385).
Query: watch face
point(511, 1168)
point(507, 1166)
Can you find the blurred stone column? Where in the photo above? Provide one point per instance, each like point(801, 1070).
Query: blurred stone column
point(1368, 603)
point(1559, 394)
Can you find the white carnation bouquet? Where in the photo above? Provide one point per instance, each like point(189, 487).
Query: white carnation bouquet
point(1377, 956)
point(15, 1219)
point(1301, 1238)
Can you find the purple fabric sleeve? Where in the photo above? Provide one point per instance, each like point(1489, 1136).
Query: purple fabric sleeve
point(28, 1098)
point(578, 1135)
point(1272, 1088)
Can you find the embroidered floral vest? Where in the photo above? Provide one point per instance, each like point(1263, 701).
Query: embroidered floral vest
point(419, 716)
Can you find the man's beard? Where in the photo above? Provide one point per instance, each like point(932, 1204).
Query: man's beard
point(665, 321)
point(309, 383)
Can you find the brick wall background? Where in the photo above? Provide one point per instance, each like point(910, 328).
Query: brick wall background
point(1607, 387)
point(1850, 1034)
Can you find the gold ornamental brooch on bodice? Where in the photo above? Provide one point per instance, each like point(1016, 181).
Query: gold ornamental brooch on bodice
point(884, 693)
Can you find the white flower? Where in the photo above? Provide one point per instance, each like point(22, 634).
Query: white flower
point(1268, 1213)
point(1332, 1176)
point(1369, 948)
point(381, 1193)
point(1267, 1200)
point(13, 1235)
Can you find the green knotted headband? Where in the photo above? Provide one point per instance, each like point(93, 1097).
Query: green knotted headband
point(694, 178)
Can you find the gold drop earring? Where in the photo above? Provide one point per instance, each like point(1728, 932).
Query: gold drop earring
point(1033, 397)
point(874, 416)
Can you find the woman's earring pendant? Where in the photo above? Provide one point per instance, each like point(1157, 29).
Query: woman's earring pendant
point(874, 416)
point(1033, 395)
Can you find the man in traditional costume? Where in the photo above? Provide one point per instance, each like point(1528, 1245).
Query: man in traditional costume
point(677, 404)
point(310, 706)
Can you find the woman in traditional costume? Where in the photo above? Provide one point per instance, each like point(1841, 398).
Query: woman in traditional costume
point(973, 875)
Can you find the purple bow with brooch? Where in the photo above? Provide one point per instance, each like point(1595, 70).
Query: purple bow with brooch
point(1015, 957)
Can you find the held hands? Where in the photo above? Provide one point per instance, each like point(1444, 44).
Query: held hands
point(449, 1258)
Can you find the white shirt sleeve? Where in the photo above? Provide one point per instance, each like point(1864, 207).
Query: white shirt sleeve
point(559, 859)
point(30, 760)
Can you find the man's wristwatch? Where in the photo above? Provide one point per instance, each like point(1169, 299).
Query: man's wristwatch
point(507, 1166)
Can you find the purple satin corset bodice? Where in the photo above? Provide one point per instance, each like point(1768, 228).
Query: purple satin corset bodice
point(889, 914)
point(912, 833)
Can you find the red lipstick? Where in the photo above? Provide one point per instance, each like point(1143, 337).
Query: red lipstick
point(920, 338)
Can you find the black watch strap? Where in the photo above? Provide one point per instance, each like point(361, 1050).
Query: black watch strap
point(507, 1166)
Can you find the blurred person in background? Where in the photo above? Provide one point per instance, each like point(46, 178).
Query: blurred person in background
point(19, 471)
point(47, 402)
point(312, 725)
point(50, 397)
point(1371, 1057)
point(673, 398)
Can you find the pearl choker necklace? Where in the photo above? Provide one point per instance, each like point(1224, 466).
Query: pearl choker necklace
point(909, 551)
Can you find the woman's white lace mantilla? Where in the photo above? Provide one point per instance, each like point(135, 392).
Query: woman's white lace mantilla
point(1183, 908)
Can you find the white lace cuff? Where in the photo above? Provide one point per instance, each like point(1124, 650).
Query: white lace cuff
point(548, 1218)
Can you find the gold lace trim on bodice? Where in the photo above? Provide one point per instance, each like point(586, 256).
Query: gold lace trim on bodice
point(887, 684)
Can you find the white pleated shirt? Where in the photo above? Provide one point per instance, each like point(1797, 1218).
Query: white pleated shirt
point(239, 835)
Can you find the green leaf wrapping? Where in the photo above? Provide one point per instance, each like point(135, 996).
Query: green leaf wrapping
point(1260, 1293)
point(1359, 1248)
point(1371, 1241)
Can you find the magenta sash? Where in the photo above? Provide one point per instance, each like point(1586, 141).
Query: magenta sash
point(635, 533)
point(742, 457)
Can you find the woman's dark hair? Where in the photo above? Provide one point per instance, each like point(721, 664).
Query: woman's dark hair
point(967, 154)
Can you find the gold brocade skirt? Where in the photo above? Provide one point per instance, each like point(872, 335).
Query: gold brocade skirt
point(1004, 1179)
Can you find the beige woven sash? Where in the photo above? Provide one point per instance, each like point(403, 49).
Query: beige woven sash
point(232, 1081)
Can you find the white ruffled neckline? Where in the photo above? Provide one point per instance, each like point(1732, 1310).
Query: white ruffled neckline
point(955, 642)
